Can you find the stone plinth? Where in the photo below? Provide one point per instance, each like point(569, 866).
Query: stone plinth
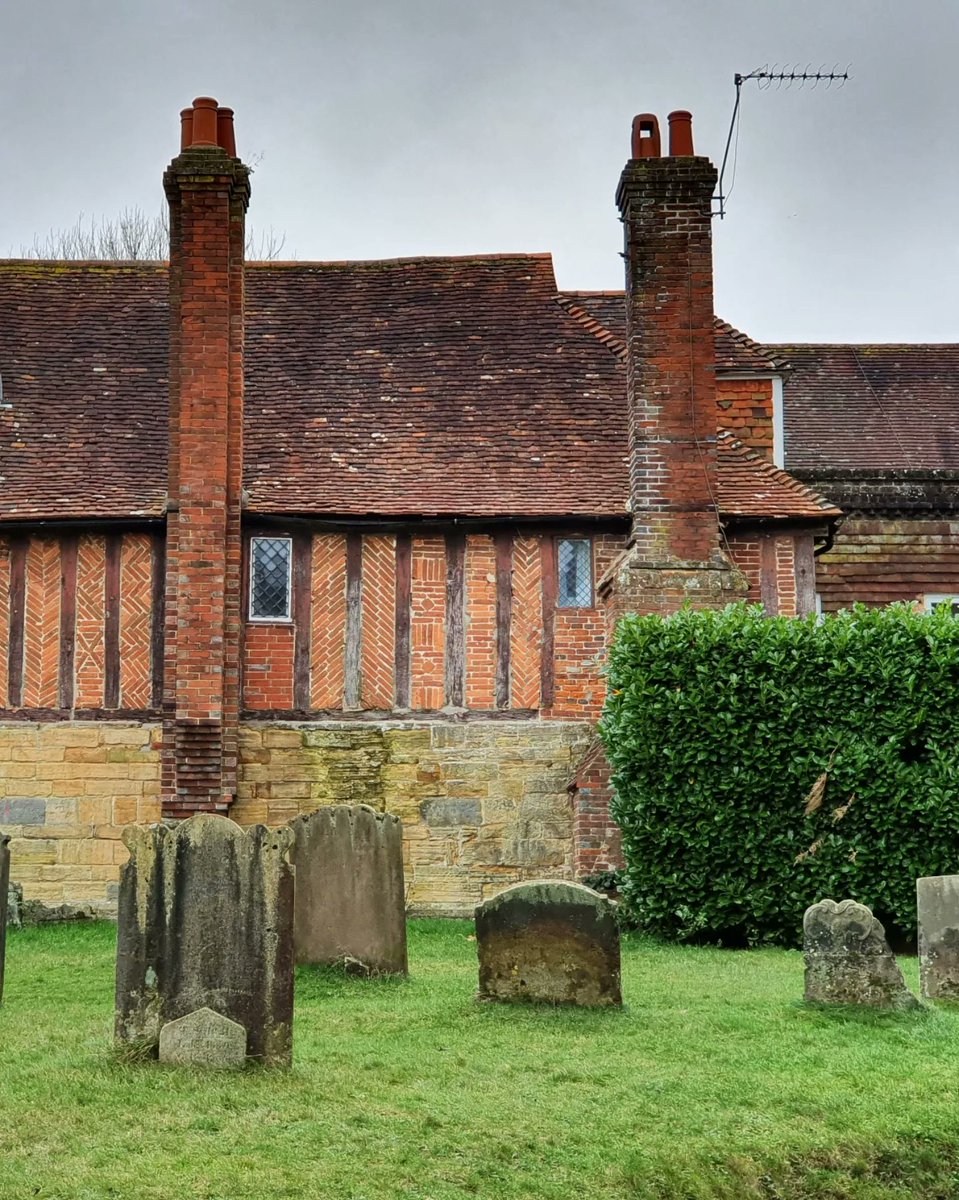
point(937, 901)
point(4, 884)
point(549, 942)
point(206, 921)
point(350, 900)
point(203, 1039)
point(848, 960)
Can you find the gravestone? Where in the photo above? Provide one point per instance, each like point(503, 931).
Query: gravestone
point(203, 1039)
point(350, 901)
point(4, 886)
point(549, 942)
point(205, 920)
point(848, 960)
point(937, 902)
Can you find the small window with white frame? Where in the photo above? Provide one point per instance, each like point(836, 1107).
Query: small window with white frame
point(574, 564)
point(933, 601)
point(271, 575)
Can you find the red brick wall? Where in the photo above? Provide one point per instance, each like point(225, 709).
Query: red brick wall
point(428, 623)
point(268, 665)
point(480, 622)
point(328, 639)
point(49, 581)
point(526, 631)
point(768, 561)
point(597, 842)
point(745, 408)
point(378, 645)
point(877, 561)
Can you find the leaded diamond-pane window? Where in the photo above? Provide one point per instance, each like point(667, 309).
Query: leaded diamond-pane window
point(575, 564)
point(270, 561)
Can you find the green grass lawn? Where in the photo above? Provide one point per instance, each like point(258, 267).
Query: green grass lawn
point(714, 1081)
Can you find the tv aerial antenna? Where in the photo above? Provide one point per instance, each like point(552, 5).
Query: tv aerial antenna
point(765, 78)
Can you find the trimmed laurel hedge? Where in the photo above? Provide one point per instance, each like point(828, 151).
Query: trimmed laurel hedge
point(761, 764)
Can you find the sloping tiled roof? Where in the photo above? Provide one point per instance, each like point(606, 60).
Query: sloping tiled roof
point(734, 350)
point(409, 387)
point(83, 358)
point(752, 487)
point(878, 408)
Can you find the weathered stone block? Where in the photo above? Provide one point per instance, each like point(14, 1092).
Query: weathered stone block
point(550, 942)
point(444, 811)
point(848, 960)
point(203, 1039)
point(23, 810)
point(4, 900)
point(937, 900)
point(206, 921)
point(350, 898)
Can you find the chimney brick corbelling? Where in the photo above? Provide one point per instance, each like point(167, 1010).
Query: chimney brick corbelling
point(677, 555)
point(208, 192)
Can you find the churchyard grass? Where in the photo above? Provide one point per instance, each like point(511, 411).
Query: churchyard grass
point(714, 1081)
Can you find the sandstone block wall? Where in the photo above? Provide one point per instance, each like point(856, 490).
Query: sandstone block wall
point(484, 804)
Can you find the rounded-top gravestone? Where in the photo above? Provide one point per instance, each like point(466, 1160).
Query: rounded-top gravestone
point(848, 960)
point(549, 942)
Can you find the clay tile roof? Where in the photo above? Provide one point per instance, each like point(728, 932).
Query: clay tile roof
point(83, 357)
point(879, 408)
point(735, 351)
point(749, 486)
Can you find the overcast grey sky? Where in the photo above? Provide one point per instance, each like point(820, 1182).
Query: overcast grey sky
point(443, 127)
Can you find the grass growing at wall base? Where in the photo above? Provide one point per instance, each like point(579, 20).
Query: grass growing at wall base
point(713, 1082)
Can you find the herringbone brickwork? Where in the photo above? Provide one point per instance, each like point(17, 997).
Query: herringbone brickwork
point(526, 636)
point(428, 623)
point(136, 582)
point(91, 566)
point(377, 669)
point(4, 621)
point(480, 622)
point(42, 626)
point(328, 634)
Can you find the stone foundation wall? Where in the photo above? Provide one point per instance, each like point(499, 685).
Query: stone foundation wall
point(484, 804)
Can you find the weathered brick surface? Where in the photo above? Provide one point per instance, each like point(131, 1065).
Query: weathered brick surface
point(481, 643)
point(4, 619)
point(483, 804)
point(268, 665)
point(745, 408)
point(42, 625)
point(91, 566)
point(328, 615)
point(428, 623)
point(579, 654)
point(597, 841)
point(136, 582)
point(879, 560)
point(378, 659)
point(526, 633)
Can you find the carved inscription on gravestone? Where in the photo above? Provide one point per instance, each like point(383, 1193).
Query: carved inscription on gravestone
point(937, 902)
point(4, 884)
point(350, 899)
point(203, 1039)
point(205, 920)
point(848, 960)
point(550, 942)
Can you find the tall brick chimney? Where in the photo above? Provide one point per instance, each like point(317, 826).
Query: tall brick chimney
point(677, 554)
point(208, 191)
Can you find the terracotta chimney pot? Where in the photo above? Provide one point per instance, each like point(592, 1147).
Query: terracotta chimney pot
point(681, 134)
point(646, 141)
point(224, 131)
point(186, 128)
point(204, 121)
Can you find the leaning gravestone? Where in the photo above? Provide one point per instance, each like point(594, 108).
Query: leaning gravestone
point(848, 960)
point(549, 942)
point(350, 902)
point(203, 1039)
point(205, 920)
point(937, 902)
point(4, 885)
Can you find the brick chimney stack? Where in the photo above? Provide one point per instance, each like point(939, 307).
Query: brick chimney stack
point(677, 555)
point(208, 192)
